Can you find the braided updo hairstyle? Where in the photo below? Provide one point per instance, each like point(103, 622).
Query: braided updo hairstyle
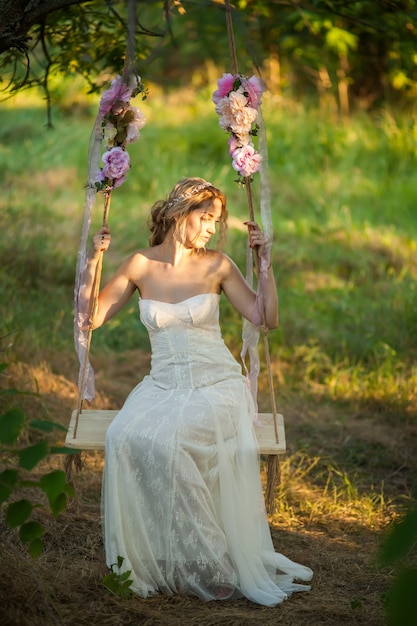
point(187, 195)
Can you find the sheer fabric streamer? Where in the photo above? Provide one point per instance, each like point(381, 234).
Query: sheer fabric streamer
point(82, 305)
point(251, 330)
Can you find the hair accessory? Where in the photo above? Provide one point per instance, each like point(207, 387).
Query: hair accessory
point(192, 192)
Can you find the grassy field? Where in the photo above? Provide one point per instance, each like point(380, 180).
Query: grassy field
point(344, 195)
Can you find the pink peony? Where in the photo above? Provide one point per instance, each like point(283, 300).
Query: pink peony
point(255, 88)
point(246, 160)
point(233, 144)
point(99, 177)
point(116, 164)
point(118, 92)
point(224, 86)
point(119, 181)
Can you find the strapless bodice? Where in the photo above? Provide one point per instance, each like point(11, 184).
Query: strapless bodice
point(187, 347)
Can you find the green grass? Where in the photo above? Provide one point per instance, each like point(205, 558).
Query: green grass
point(343, 195)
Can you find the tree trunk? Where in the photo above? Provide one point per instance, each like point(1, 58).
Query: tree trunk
point(274, 71)
point(343, 85)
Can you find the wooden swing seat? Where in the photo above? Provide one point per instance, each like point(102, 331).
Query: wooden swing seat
point(93, 424)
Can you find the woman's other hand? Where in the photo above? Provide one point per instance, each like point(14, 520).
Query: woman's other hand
point(256, 235)
point(101, 240)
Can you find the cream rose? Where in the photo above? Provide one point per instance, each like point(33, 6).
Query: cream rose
point(135, 126)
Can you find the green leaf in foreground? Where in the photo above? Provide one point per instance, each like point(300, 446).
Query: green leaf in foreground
point(8, 479)
point(56, 488)
point(118, 584)
point(53, 483)
point(64, 450)
point(400, 539)
point(59, 504)
point(11, 424)
point(30, 456)
point(35, 548)
point(402, 599)
point(46, 426)
point(30, 531)
point(18, 512)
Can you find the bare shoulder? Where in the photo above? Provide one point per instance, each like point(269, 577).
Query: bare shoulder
point(138, 258)
point(226, 265)
point(217, 258)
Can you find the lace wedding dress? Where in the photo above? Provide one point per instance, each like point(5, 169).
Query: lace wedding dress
point(182, 497)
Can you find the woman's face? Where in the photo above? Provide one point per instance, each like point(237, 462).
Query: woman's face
point(201, 224)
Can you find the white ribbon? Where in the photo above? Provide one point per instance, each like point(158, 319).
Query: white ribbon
point(251, 330)
point(82, 305)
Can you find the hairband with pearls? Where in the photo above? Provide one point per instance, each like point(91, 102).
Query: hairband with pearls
point(192, 192)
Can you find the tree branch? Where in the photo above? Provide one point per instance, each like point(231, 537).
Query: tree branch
point(18, 16)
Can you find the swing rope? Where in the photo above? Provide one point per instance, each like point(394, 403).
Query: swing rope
point(74, 460)
point(273, 466)
point(93, 310)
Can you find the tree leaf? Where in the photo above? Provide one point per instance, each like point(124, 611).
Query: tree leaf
point(46, 426)
point(64, 450)
point(402, 599)
point(35, 547)
point(30, 531)
point(18, 512)
point(8, 480)
point(56, 487)
point(400, 539)
point(53, 483)
point(29, 483)
point(58, 504)
point(30, 456)
point(11, 424)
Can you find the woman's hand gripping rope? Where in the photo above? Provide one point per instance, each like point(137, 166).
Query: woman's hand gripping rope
point(101, 240)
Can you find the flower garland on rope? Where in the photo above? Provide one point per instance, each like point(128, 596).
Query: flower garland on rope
point(237, 101)
point(121, 124)
point(117, 124)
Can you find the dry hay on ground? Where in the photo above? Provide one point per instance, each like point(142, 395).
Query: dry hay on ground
point(334, 530)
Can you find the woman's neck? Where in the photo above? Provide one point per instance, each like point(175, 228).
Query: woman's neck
point(175, 252)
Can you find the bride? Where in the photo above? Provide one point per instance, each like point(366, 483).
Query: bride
point(182, 499)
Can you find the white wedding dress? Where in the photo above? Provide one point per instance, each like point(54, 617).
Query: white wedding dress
point(182, 496)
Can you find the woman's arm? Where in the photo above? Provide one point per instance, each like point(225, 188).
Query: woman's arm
point(242, 297)
point(120, 288)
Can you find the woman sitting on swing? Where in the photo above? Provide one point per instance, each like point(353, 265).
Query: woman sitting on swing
point(182, 497)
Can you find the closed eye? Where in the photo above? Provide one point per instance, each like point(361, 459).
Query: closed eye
point(206, 217)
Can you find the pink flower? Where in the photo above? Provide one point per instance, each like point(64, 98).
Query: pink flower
point(119, 181)
point(255, 88)
point(116, 164)
point(225, 86)
point(246, 160)
point(99, 177)
point(233, 144)
point(118, 92)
